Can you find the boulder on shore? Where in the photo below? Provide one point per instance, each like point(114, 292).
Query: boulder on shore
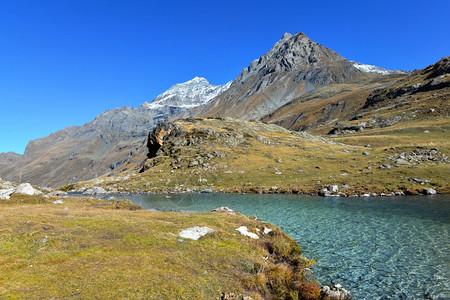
point(224, 209)
point(26, 189)
point(429, 191)
point(95, 191)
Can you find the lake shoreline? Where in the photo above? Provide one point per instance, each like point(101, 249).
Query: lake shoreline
point(327, 191)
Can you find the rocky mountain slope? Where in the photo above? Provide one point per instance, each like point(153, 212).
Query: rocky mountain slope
point(113, 138)
point(381, 102)
point(294, 66)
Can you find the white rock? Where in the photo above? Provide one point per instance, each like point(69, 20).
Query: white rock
point(429, 191)
point(196, 232)
point(58, 202)
point(224, 209)
point(332, 188)
point(267, 230)
point(244, 231)
point(4, 194)
point(25, 189)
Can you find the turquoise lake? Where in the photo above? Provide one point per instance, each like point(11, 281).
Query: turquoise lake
point(377, 248)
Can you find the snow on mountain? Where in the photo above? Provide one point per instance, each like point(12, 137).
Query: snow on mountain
point(189, 94)
point(374, 69)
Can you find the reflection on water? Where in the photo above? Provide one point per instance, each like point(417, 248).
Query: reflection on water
point(396, 248)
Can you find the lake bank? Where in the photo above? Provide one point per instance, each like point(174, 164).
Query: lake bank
point(68, 247)
point(374, 246)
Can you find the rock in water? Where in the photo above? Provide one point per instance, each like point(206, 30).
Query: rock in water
point(25, 189)
point(196, 232)
point(335, 292)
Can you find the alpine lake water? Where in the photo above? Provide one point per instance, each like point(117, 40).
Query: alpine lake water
point(376, 247)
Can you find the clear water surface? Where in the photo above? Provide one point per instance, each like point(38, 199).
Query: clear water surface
point(378, 248)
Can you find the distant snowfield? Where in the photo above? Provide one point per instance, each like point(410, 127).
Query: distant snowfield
point(375, 69)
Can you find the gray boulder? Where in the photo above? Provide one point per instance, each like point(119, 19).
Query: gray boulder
point(26, 189)
point(429, 191)
point(329, 191)
point(95, 191)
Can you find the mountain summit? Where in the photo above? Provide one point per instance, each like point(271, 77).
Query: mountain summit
point(294, 65)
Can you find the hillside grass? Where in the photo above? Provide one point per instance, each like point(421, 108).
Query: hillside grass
point(91, 249)
point(286, 162)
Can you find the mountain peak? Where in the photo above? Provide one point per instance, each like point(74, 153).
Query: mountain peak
point(192, 93)
point(286, 36)
point(293, 53)
point(196, 79)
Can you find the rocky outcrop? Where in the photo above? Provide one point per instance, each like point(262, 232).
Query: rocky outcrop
point(162, 133)
point(418, 156)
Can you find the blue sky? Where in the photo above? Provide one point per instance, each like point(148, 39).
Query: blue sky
point(64, 62)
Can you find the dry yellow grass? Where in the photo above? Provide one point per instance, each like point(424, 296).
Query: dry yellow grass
point(86, 249)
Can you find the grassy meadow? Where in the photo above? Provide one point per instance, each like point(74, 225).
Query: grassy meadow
point(85, 248)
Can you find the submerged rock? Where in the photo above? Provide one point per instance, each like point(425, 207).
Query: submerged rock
point(335, 292)
point(196, 232)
